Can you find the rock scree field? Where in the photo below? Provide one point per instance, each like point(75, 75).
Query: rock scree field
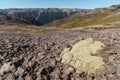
point(25, 56)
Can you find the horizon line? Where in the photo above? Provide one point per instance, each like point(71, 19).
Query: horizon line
point(53, 7)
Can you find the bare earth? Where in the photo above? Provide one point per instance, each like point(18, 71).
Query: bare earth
point(37, 56)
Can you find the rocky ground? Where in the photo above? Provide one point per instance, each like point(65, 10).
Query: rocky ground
point(37, 56)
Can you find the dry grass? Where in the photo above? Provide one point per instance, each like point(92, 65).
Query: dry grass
point(21, 29)
point(75, 21)
point(103, 28)
point(35, 31)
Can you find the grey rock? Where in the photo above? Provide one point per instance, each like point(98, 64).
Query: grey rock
point(10, 77)
point(38, 77)
point(111, 69)
point(53, 62)
point(19, 71)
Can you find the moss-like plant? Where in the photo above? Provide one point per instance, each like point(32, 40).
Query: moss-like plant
point(80, 56)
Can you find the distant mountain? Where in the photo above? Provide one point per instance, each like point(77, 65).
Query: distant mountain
point(97, 16)
point(62, 18)
point(36, 16)
point(3, 18)
point(7, 19)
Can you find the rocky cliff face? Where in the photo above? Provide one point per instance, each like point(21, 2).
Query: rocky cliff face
point(39, 16)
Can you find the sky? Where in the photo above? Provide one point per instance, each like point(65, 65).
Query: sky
point(83, 4)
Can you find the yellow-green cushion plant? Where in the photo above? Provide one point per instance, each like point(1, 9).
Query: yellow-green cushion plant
point(80, 56)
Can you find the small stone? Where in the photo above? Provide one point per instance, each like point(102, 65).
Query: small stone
point(58, 59)
point(6, 68)
point(19, 71)
point(30, 63)
point(69, 70)
point(38, 78)
point(110, 69)
point(9, 46)
point(111, 77)
point(52, 44)
point(56, 74)
point(72, 78)
point(45, 46)
point(64, 76)
point(7, 41)
point(20, 78)
point(53, 62)
point(10, 77)
point(41, 55)
point(79, 71)
point(28, 78)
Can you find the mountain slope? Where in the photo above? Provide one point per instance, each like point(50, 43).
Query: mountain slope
point(39, 16)
point(95, 17)
point(3, 18)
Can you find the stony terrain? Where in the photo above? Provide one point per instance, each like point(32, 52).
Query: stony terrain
point(37, 56)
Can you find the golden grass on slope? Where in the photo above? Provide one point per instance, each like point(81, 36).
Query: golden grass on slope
point(103, 28)
point(93, 20)
point(77, 20)
point(28, 30)
point(31, 29)
point(35, 31)
point(21, 30)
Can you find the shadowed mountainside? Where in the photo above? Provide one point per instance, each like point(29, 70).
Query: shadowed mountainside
point(37, 16)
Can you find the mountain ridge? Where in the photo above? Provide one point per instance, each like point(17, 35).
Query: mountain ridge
point(39, 16)
point(60, 17)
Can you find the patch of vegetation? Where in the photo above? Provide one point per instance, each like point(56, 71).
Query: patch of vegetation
point(81, 55)
point(103, 28)
point(28, 30)
point(21, 31)
point(35, 31)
